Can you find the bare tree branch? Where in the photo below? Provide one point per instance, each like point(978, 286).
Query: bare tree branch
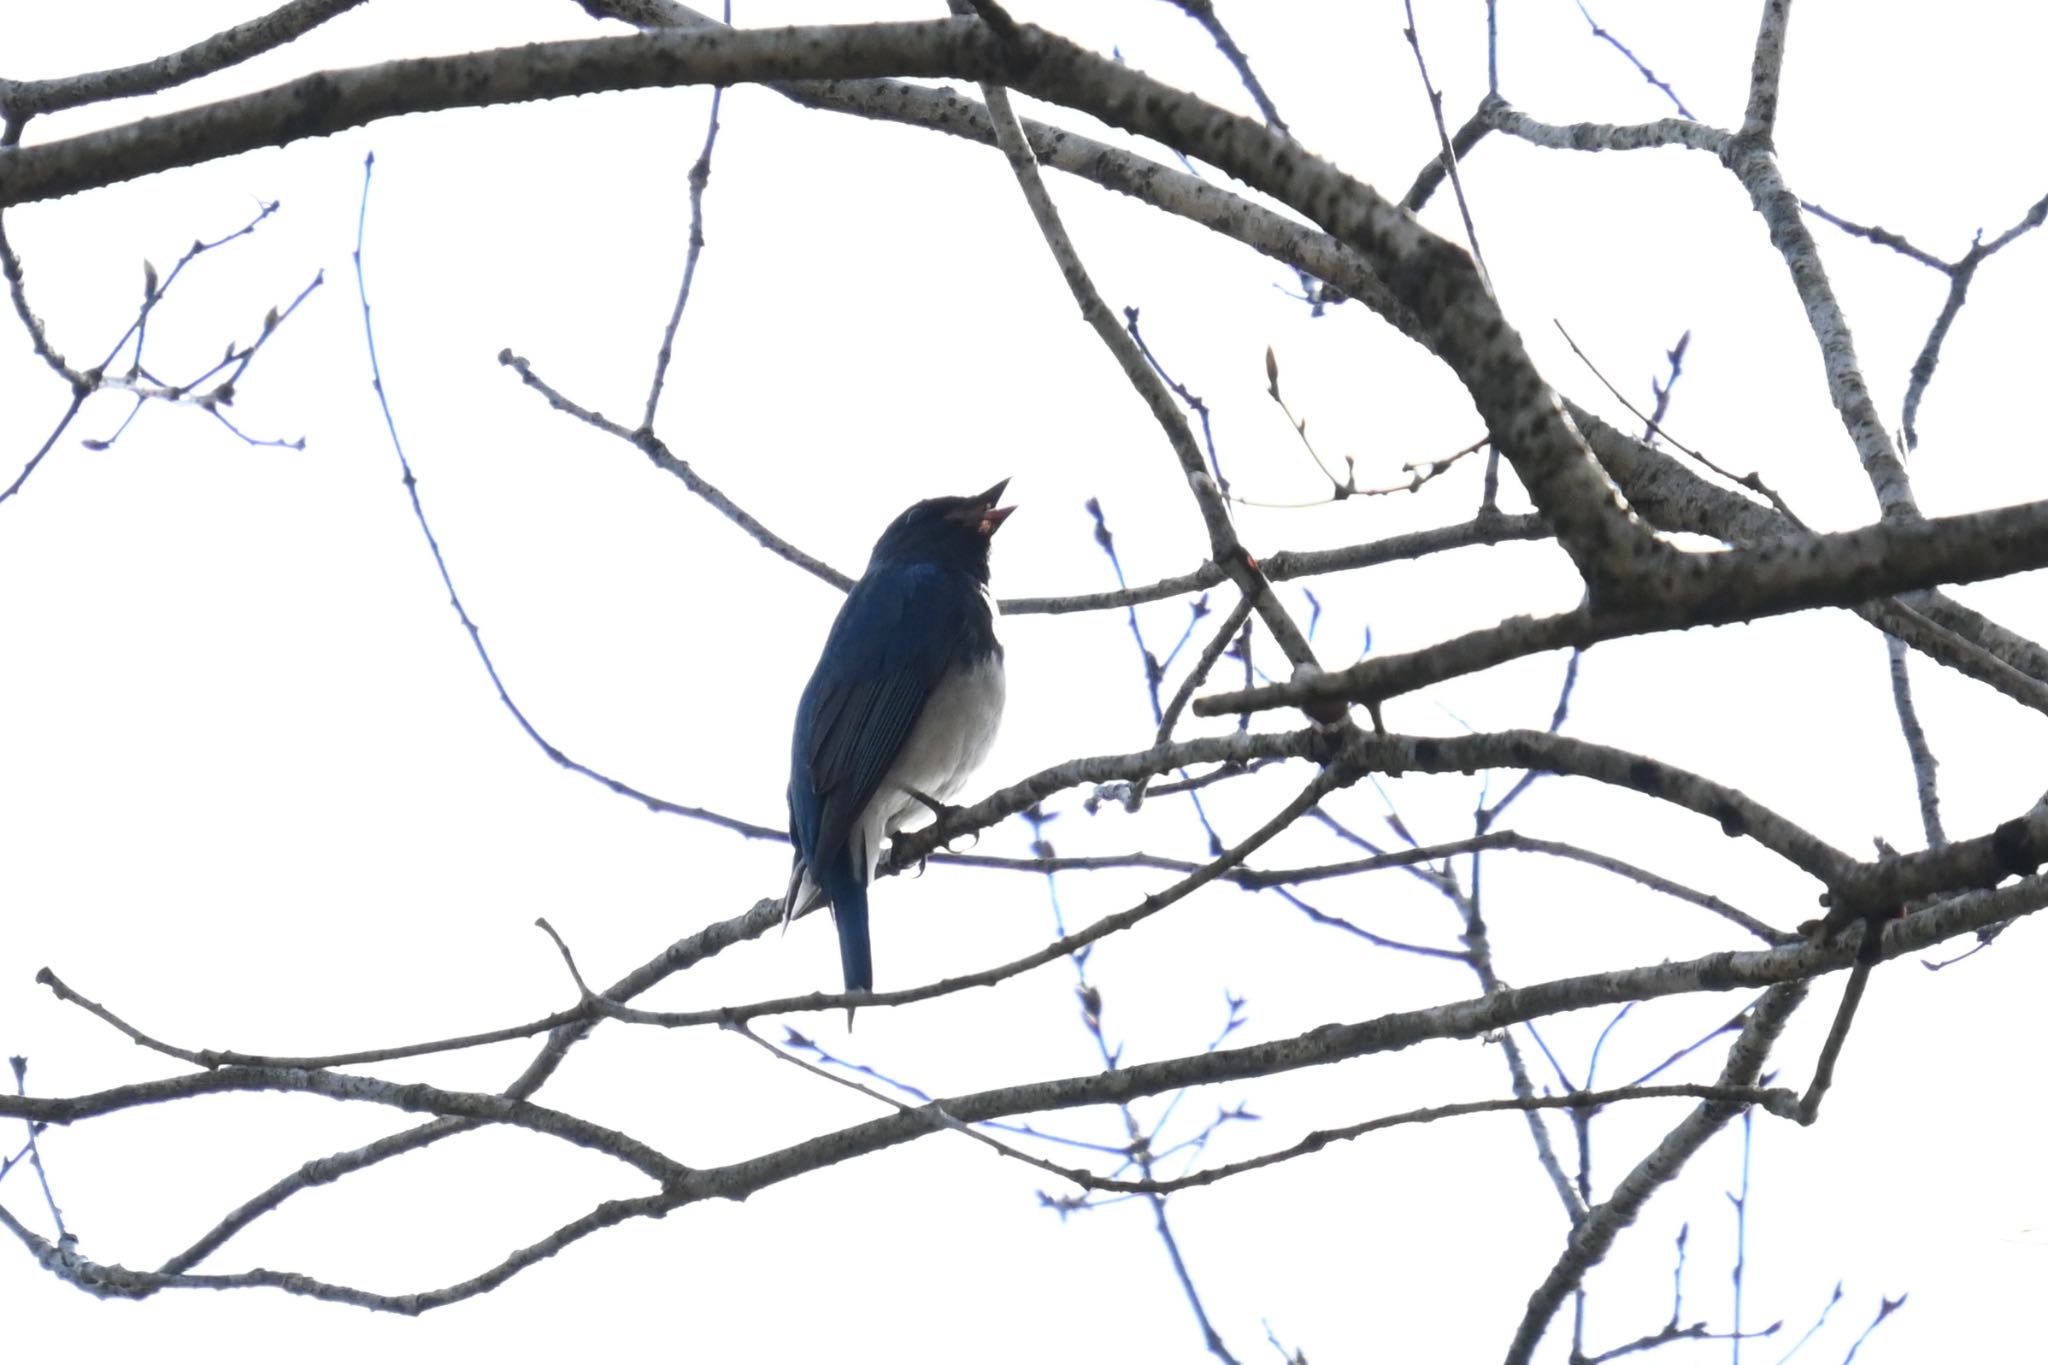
point(21, 100)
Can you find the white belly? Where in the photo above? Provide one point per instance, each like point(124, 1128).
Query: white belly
point(949, 741)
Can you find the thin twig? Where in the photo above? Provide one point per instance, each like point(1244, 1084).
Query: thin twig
point(1462, 142)
point(35, 1155)
point(1204, 13)
point(1885, 1308)
point(1752, 480)
point(1838, 1034)
point(1961, 274)
point(932, 1109)
point(1661, 389)
point(1479, 958)
point(1282, 565)
point(1225, 548)
point(212, 1057)
point(1197, 675)
point(700, 177)
point(1619, 46)
point(476, 638)
point(1925, 784)
point(650, 445)
point(1511, 841)
point(1330, 921)
point(1881, 236)
point(1181, 391)
point(568, 958)
point(1443, 134)
point(38, 335)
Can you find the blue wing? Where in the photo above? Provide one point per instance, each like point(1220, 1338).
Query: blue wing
point(893, 640)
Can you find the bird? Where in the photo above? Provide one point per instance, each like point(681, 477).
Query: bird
point(901, 709)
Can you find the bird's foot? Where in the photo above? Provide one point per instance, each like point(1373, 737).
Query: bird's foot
point(942, 813)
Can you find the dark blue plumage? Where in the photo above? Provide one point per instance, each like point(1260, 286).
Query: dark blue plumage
point(902, 707)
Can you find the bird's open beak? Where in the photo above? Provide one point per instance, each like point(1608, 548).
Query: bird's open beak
point(991, 516)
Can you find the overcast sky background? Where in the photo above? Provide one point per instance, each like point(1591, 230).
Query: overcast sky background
point(256, 791)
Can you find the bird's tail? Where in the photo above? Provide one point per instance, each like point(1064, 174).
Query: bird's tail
point(850, 914)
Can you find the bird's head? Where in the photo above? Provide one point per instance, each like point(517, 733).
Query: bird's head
point(954, 532)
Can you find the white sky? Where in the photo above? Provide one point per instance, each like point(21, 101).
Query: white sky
point(255, 791)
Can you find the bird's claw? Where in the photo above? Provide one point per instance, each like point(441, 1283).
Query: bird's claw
point(939, 809)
